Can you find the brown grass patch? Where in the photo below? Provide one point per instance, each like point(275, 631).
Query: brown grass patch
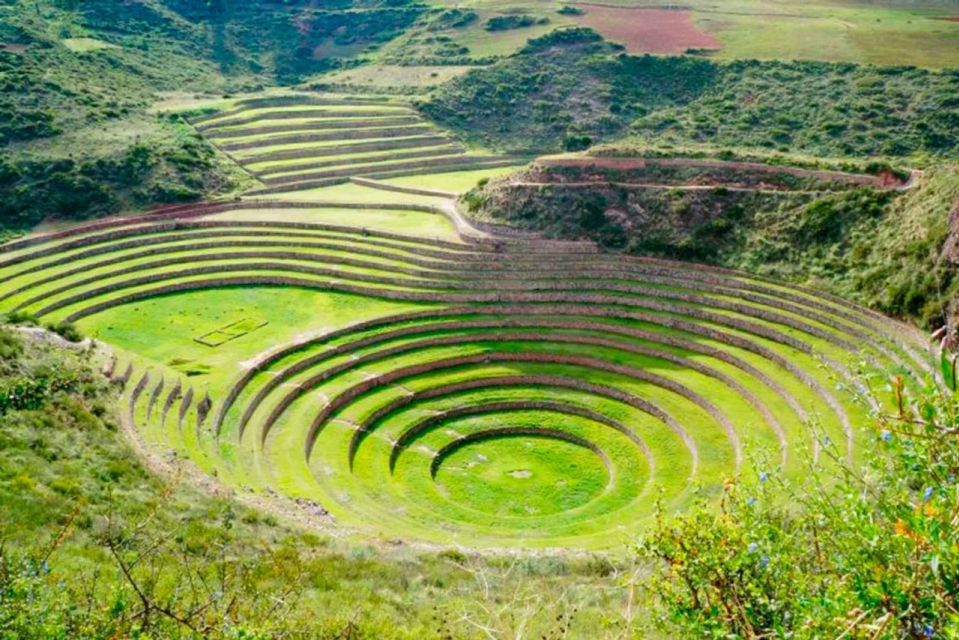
point(646, 30)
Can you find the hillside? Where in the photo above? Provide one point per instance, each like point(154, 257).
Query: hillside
point(80, 80)
point(884, 248)
point(79, 509)
point(569, 90)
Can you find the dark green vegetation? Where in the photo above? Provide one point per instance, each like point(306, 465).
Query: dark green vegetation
point(77, 510)
point(504, 23)
point(77, 79)
point(171, 164)
point(571, 84)
point(886, 249)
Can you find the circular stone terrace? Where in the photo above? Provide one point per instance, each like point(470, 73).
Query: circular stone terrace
point(369, 355)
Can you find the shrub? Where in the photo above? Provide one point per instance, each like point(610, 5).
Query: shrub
point(10, 346)
point(870, 555)
point(21, 317)
point(577, 142)
point(504, 23)
point(67, 330)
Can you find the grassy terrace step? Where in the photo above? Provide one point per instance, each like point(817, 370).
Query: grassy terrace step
point(369, 133)
point(361, 167)
point(395, 188)
point(365, 274)
point(279, 167)
point(586, 264)
point(245, 116)
point(323, 124)
point(474, 163)
point(290, 152)
point(462, 163)
point(660, 280)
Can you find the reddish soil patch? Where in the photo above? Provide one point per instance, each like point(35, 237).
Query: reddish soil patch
point(13, 47)
point(949, 18)
point(645, 30)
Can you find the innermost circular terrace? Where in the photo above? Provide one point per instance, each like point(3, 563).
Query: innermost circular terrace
point(515, 472)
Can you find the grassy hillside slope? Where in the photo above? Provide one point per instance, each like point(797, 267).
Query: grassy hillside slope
point(78, 79)
point(570, 89)
point(884, 249)
point(93, 545)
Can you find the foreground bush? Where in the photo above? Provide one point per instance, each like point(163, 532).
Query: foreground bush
point(872, 555)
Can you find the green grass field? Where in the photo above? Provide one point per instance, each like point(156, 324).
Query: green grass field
point(895, 33)
point(351, 346)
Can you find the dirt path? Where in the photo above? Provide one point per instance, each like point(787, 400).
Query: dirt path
point(631, 163)
point(664, 187)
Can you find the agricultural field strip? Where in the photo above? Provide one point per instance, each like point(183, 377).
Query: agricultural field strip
point(364, 167)
point(241, 134)
point(282, 124)
point(334, 135)
point(245, 115)
point(294, 164)
point(428, 167)
point(335, 148)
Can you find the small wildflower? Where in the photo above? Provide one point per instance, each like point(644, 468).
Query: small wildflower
point(902, 529)
point(763, 476)
point(752, 547)
point(750, 501)
point(764, 561)
point(928, 631)
point(927, 494)
point(886, 436)
point(826, 440)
